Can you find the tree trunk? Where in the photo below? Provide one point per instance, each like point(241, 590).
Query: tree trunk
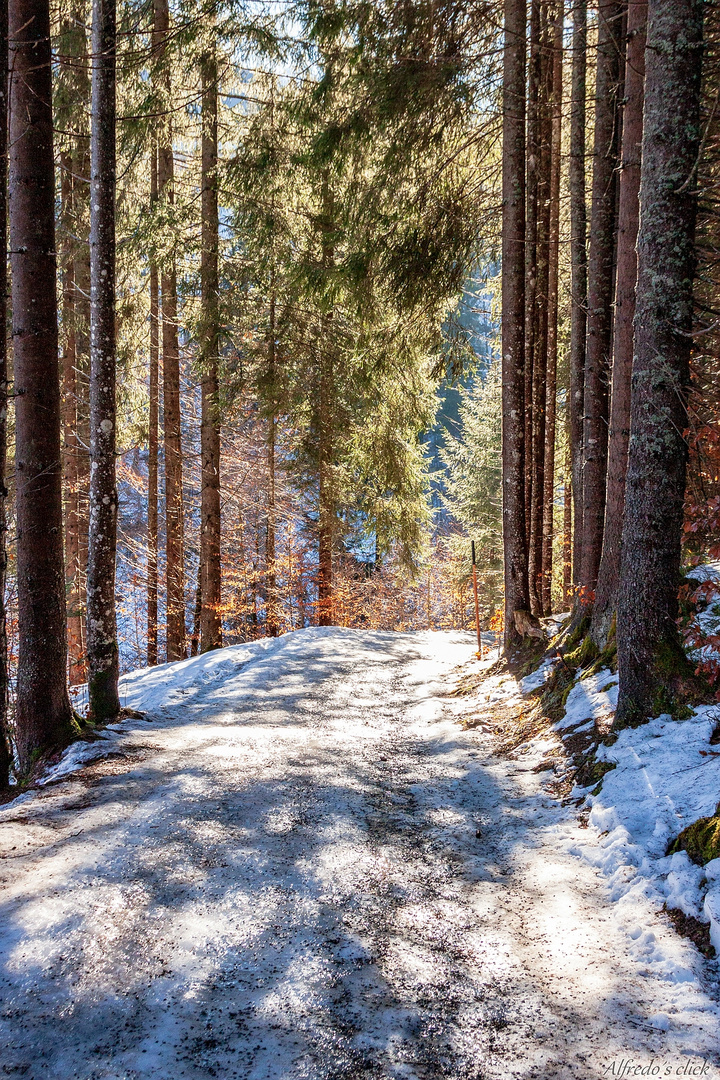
point(650, 658)
point(567, 540)
point(103, 660)
point(43, 718)
point(273, 620)
point(70, 444)
point(532, 164)
point(540, 321)
point(81, 199)
point(578, 261)
point(174, 546)
point(210, 581)
point(552, 309)
point(600, 291)
point(197, 615)
point(626, 277)
point(517, 599)
point(326, 501)
point(5, 752)
point(71, 114)
point(153, 438)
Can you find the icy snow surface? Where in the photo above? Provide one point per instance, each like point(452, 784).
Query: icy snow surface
point(666, 776)
point(300, 866)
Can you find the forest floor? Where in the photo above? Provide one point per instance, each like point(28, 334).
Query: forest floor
point(302, 865)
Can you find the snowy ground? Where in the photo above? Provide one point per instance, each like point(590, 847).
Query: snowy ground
point(300, 866)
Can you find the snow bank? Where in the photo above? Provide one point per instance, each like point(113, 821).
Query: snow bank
point(539, 677)
point(666, 775)
point(591, 698)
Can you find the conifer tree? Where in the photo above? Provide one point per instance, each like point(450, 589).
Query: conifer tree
point(548, 515)
point(651, 664)
point(153, 435)
point(624, 314)
point(103, 667)
point(5, 752)
point(72, 108)
point(209, 585)
point(578, 258)
point(517, 600)
point(610, 51)
point(43, 718)
point(174, 513)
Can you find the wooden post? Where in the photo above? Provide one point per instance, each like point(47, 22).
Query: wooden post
point(477, 607)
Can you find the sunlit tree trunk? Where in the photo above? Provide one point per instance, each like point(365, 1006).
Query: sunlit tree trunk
point(5, 751)
point(578, 262)
point(326, 504)
point(81, 199)
point(153, 441)
point(548, 508)
point(540, 318)
point(517, 600)
point(626, 277)
point(273, 620)
point(210, 581)
point(531, 160)
point(603, 221)
point(651, 662)
point(567, 539)
point(103, 661)
point(70, 442)
point(174, 525)
point(43, 718)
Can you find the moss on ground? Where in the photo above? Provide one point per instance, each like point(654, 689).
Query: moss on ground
point(590, 770)
point(701, 840)
point(576, 634)
point(555, 693)
point(527, 657)
point(583, 655)
point(607, 658)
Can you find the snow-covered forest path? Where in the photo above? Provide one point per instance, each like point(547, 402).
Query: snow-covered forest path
point(302, 866)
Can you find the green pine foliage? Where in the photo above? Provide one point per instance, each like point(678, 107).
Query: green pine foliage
point(473, 480)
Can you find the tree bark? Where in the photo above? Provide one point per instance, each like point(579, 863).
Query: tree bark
point(197, 615)
point(43, 718)
point(600, 291)
point(103, 659)
point(81, 199)
point(5, 750)
point(578, 262)
point(326, 501)
point(210, 579)
point(174, 525)
point(532, 166)
point(540, 317)
point(650, 658)
point(567, 540)
point(72, 108)
point(626, 278)
point(552, 310)
point(273, 615)
point(70, 443)
point(517, 599)
point(153, 439)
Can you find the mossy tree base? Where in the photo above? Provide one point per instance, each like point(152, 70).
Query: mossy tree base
point(526, 655)
point(701, 840)
point(667, 683)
